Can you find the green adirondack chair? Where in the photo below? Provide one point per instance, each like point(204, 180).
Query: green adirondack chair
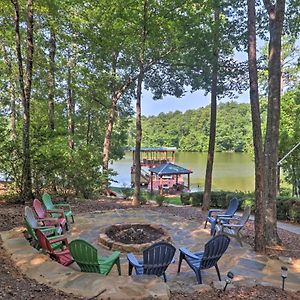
point(86, 256)
point(32, 224)
point(47, 201)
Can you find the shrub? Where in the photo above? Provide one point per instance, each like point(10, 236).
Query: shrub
point(197, 198)
point(159, 200)
point(185, 198)
point(294, 211)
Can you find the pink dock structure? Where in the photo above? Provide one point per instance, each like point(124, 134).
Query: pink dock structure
point(158, 171)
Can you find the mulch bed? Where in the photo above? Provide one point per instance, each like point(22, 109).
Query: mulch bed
point(14, 285)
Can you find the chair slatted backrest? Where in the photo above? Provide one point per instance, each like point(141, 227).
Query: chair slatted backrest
point(43, 241)
point(157, 258)
point(47, 201)
point(245, 217)
point(213, 251)
point(38, 208)
point(85, 255)
point(232, 207)
point(30, 217)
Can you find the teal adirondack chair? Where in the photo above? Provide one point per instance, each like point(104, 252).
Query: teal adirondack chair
point(86, 256)
point(47, 201)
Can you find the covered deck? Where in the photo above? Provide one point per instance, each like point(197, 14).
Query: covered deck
point(168, 178)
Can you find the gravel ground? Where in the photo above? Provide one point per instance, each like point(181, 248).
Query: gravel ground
point(14, 285)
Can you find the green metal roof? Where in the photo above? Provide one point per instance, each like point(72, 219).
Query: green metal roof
point(169, 169)
point(153, 149)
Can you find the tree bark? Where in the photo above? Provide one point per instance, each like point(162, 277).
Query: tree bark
point(259, 222)
point(25, 87)
point(213, 114)
point(71, 109)
point(276, 16)
point(51, 79)
point(12, 92)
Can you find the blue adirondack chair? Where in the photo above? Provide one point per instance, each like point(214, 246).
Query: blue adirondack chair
point(215, 214)
point(198, 261)
point(156, 260)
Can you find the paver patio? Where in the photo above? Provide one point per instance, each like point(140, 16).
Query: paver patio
point(248, 267)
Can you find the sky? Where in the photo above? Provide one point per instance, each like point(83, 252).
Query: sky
point(195, 100)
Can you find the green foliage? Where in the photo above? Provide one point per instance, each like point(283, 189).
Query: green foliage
point(185, 198)
point(159, 199)
point(189, 131)
point(197, 199)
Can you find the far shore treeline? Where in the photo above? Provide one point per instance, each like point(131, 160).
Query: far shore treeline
point(189, 131)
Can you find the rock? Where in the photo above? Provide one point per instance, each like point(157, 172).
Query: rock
point(202, 288)
point(286, 260)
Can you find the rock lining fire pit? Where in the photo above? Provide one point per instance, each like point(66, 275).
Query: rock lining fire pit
point(134, 237)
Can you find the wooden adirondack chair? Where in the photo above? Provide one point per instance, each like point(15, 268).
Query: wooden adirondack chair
point(86, 256)
point(57, 248)
point(213, 251)
point(47, 201)
point(232, 226)
point(215, 214)
point(31, 224)
point(46, 216)
point(156, 260)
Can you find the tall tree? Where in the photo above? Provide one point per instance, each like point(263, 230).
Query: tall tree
point(276, 17)
point(256, 129)
point(213, 108)
point(25, 81)
point(138, 140)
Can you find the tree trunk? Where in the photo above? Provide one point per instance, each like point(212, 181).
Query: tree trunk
point(276, 16)
point(12, 92)
point(213, 114)
point(138, 141)
point(259, 222)
point(25, 87)
point(71, 110)
point(51, 79)
point(109, 129)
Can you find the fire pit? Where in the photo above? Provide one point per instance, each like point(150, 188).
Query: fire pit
point(134, 237)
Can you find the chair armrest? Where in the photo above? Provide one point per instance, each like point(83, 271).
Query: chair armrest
point(63, 204)
point(214, 210)
point(47, 219)
point(133, 261)
point(58, 239)
point(107, 260)
point(56, 211)
point(188, 253)
point(232, 225)
point(49, 229)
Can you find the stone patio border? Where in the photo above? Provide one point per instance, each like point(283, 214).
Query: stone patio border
point(40, 267)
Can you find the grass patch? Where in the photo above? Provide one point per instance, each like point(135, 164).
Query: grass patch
point(173, 200)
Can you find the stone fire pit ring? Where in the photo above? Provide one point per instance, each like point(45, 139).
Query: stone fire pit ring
point(108, 242)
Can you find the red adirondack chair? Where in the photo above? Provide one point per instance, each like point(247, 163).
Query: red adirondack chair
point(61, 254)
point(45, 215)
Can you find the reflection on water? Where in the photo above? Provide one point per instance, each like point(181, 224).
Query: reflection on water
point(232, 171)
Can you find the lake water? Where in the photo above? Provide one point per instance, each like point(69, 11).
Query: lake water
point(232, 171)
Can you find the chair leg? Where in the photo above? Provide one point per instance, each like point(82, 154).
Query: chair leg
point(239, 238)
point(205, 224)
point(118, 266)
point(180, 261)
point(165, 278)
point(218, 271)
point(72, 219)
point(130, 268)
point(198, 275)
point(67, 226)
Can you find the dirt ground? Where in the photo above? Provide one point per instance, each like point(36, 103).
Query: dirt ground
point(14, 285)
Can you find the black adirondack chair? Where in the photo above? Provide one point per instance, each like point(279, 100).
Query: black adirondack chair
point(198, 261)
point(156, 260)
point(215, 214)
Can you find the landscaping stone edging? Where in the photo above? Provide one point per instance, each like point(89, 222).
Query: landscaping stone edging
point(40, 267)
